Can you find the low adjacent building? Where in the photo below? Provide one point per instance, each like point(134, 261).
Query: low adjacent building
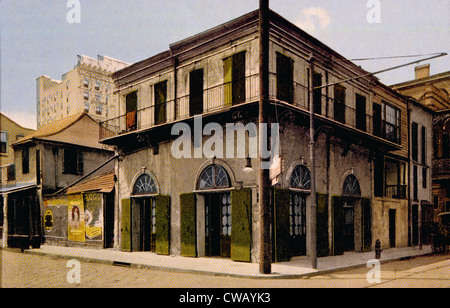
point(51, 159)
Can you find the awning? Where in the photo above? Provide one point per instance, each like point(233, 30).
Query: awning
point(12, 188)
point(103, 184)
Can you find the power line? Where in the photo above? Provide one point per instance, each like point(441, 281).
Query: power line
point(396, 57)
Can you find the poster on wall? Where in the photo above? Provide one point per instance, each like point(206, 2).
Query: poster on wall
point(55, 217)
point(93, 214)
point(76, 230)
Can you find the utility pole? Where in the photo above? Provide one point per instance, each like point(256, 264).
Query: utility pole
point(265, 242)
point(312, 150)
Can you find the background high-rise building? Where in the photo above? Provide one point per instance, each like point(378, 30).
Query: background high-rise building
point(88, 86)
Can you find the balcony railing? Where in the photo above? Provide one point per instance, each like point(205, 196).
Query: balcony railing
point(396, 191)
point(441, 166)
point(229, 94)
point(214, 99)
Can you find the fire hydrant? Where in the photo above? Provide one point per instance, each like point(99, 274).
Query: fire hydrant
point(378, 249)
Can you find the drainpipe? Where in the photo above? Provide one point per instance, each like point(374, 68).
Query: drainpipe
point(409, 178)
point(265, 241)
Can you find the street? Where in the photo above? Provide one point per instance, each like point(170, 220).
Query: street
point(30, 271)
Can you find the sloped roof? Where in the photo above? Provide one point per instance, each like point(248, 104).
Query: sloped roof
point(103, 183)
point(79, 129)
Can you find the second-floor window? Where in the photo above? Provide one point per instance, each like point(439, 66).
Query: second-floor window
point(317, 82)
point(234, 79)
point(339, 103)
point(161, 102)
point(3, 143)
point(131, 110)
point(25, 160)
point(424, 145)
point(196, 92)
point(361, 112)
point(391, 123)
point(285, 78)
point(73, 162)
point(415, 141)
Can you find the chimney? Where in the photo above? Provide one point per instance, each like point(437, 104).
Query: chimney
point(422, 71)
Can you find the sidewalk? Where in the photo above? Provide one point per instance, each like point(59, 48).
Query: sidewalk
point(296, 268)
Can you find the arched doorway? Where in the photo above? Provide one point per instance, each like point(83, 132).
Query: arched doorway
point(143, 214)
point(352, 194)
point(300, 186)
point(214, 181)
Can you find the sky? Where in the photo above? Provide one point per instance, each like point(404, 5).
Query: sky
point(37, 39)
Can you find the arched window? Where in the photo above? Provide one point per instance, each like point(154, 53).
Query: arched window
point(214, 177)
point(351, 186)
point(301, 178)
point(145, 185)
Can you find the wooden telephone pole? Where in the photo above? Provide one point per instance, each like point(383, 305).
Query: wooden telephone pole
point(265, 240)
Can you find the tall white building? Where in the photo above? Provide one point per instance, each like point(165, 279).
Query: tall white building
point(88, 86)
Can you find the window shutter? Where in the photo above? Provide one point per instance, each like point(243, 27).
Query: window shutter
point(322, 225)
point(281, 240)
point(366, 224)
point(227, 80)
point(241, 234)
point(126, 225)
point(188, 225)
point(238, 78)
point(163, 225)
point(337, 204)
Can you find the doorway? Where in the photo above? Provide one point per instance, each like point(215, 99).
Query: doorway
point(143, 224)
point(349, 226)
point(392, 231)
point(218, 225)
point(415, 224)
point(297, 224)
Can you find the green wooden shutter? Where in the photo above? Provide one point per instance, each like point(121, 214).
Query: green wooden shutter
point(188, 225)
point(126, 225)
point(366, 222)
point(161, 102)
point(227, 80)
point(163, 225)
point(322, 225)
point(337, 204)
point(281, 239)
point(241, 233)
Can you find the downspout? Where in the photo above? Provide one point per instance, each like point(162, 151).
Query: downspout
point(409, 178)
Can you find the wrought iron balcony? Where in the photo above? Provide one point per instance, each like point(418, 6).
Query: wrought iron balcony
point(214, 99)
point(441, 167)
point(396, 191)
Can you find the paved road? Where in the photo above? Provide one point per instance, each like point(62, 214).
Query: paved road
point(29, 271)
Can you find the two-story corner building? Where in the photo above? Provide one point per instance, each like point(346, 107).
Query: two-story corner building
point(87, 87)
point(54, 157)
point(187, 176)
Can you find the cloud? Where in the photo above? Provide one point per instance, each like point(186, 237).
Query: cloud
point(312, 18)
